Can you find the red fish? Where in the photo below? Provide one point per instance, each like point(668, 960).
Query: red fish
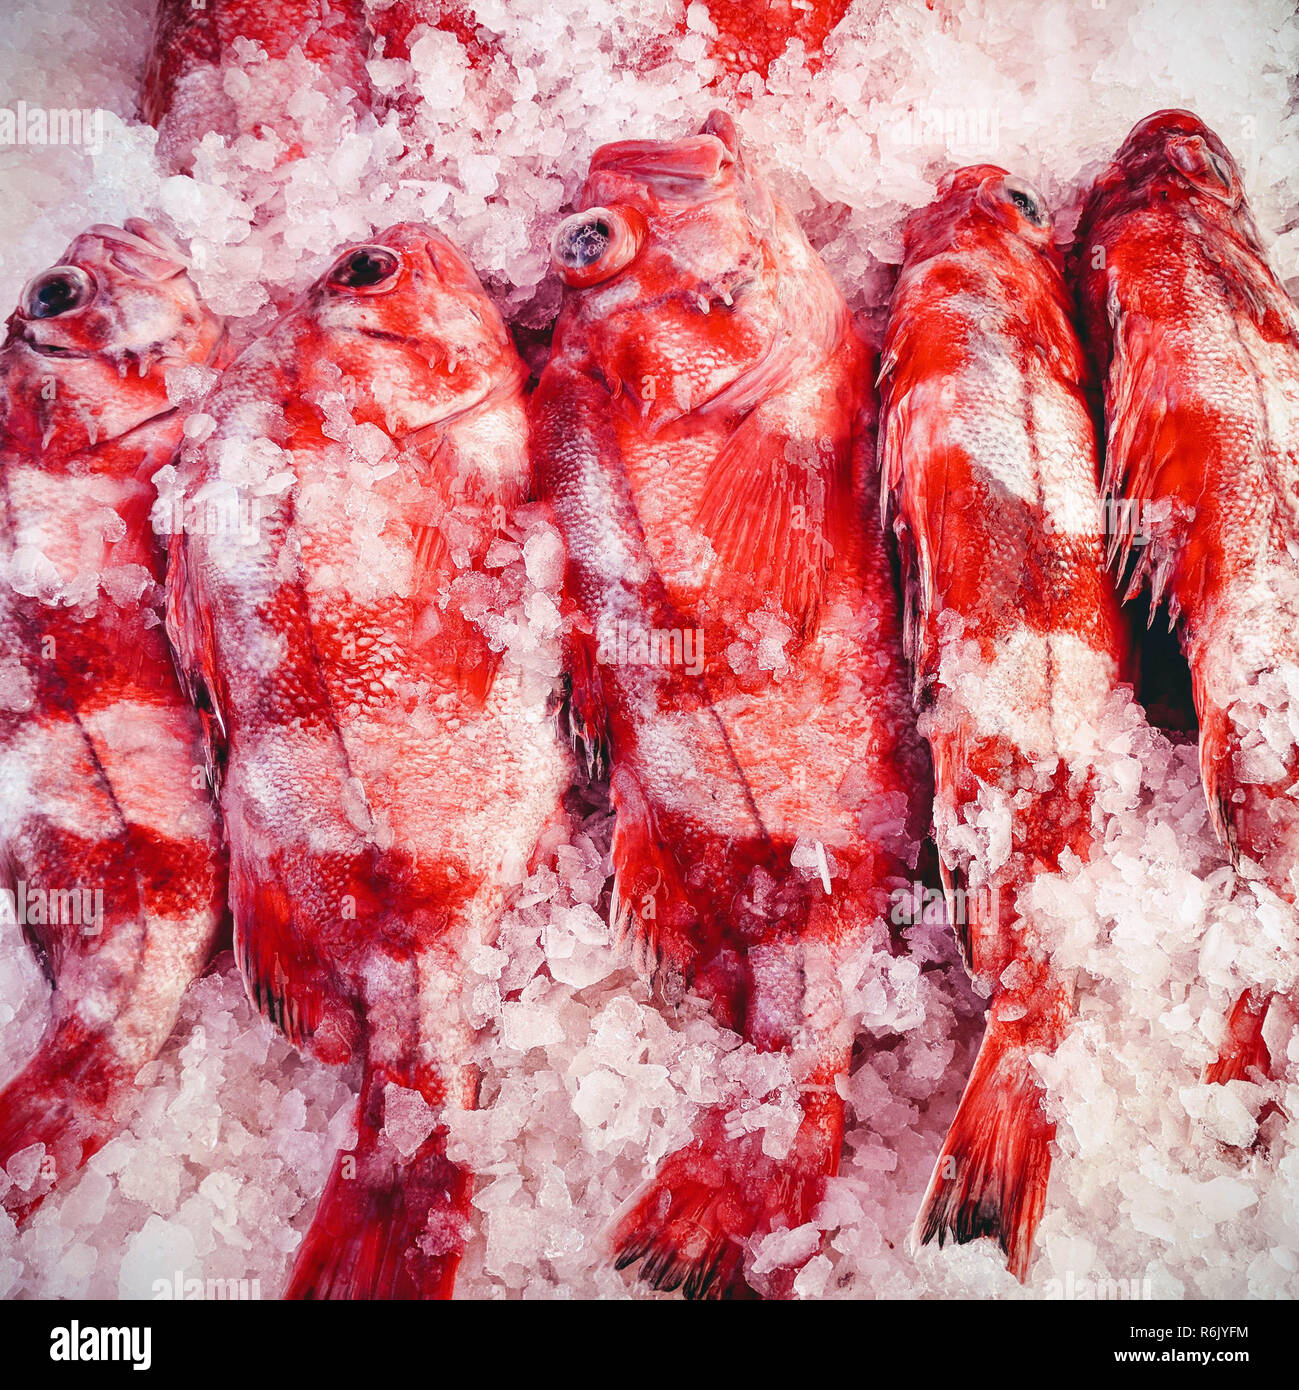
point(704, 429)
point(384, 771)
point(185, 92)
point(1199, 344)
point(109, 845)
point(989, 453)
point(751, 37)
point(402, 23)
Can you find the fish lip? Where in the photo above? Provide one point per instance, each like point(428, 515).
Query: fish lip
point(41, 349)
point(140, 235)
point(702, 158)
point(383, 335)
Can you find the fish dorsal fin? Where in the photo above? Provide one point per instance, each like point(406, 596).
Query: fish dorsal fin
point(1149, 453)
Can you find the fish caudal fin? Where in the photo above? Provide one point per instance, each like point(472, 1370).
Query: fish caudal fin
point(1243, 1049)
point(388, 1226)
point(67, 1098)
point(693, 1223)
point(991, 1176)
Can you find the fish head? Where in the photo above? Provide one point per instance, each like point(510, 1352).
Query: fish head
point(1172, 161)
point(979, 204)
point(1176, 152)
point(407, 319)
point(674, 269)
point(92, 339)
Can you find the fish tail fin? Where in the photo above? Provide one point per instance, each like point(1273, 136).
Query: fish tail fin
point(387, 1226)
point(692, 1224)
point(1243, 1049)
point(991, 1176)
point(67, 1098)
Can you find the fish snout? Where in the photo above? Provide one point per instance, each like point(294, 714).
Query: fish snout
point(1183, 140)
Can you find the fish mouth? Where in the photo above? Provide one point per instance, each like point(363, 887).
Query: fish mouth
point(667, 166)
point(141, 249)
point(49, 349)
point(1160, 125)
point(384, 335)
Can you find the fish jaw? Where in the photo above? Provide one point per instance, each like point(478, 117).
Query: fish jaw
point(695, 312)
point(427, 335)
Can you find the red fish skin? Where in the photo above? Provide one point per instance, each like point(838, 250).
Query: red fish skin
point(709, 464)
point(101, 783)
point(989, 453)
point(1199, 346)
point(380, 768)
point(751, 37)
point(401, 24)
point(183, 92)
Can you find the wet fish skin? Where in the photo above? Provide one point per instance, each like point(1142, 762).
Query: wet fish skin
point(384, 775)
point(989, 458)
point(101, 785)
point(704, 431)
point(1198, 346)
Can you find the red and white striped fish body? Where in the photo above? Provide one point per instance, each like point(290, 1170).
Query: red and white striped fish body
point(386, 772)
point(1199, 344)
point(109, 842)
point(704, 429)
point(1013, 628)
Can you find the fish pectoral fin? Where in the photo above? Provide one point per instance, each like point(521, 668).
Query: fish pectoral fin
point(584, 716)
point(776, 504)
point(189, 630)
point(281, 973)
point(649, 910)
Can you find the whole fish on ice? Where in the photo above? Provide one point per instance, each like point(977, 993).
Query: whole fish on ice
point(989, 458)
point(385, 771)
point(110, 851)
point(1199, 344)
point(704, 429)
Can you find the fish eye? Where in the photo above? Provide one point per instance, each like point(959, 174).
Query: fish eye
point(581, 241)
point(364, 268)
point(1028, 204)
point(60, 290)
point(596, 244)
